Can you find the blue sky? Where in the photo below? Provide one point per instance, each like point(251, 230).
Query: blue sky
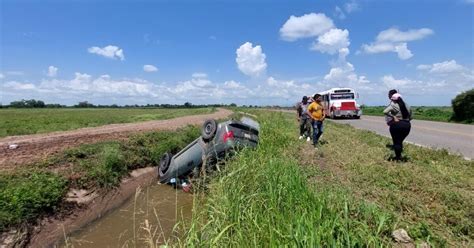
point(247, 52)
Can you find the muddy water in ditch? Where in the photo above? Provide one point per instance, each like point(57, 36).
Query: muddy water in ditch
point(161, 206)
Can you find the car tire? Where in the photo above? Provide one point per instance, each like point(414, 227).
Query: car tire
point(209, 129)
point(164, 165)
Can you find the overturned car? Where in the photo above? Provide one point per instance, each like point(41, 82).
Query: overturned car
point(217, 141)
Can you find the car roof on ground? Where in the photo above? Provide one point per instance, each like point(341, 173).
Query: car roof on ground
point(250, 122)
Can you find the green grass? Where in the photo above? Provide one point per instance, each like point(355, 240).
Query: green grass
point(432, 194)
point(419, 112)
point(32, 121)
point(263, 199)
point(25, 196)
point(345, 194)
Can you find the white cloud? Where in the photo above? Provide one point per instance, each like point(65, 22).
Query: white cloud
point(2, 76)
point(149, 68)
point(329, 39)
point(394, 40)
point(447, 76)
point(403, 52)
point(199, 75)
point(395, 35)
point(200, 88)
point(332, 41)
point(52, 71)
point(232, 84)
point(391, 83)
point(423, 67)
point(309, 25)
point(339, 13)
point(444, 78)
point(105, 89)
point(343, 75)
point(85, 86)
point(378, 47)
point(351, 6)
point(110, 51)
point(19, 86)
point(284, 89)
point(443, 67)
point(15, 73)
point(251, 60)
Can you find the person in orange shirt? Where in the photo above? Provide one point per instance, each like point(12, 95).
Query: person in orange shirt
point(317, 114)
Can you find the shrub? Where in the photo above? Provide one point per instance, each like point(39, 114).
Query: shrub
point(463, 106)
point(26, 196)
point(110, 167)
point(146, 149)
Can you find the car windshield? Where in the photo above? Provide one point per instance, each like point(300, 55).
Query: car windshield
point(342, 96)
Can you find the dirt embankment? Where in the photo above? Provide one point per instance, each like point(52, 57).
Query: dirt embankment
point(81, 208)
point(38, 146)
point(93, 205)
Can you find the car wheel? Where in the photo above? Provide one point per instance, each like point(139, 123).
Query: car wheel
point(164, 164)
point(209, 129)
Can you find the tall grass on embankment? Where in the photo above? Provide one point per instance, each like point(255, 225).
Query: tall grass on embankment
point(262, 198)
point(346, 194)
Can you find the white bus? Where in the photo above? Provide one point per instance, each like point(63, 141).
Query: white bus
point(341, 102)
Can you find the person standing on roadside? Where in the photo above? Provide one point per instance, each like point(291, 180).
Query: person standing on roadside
point(303, 119)
point(398, 117)
point(317, 114)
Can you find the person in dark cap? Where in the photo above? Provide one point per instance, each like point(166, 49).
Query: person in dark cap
point(304, 119)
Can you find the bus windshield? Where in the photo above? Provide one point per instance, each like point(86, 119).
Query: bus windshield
point(339, 96)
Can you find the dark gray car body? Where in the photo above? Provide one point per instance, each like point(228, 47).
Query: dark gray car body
point(228, 136)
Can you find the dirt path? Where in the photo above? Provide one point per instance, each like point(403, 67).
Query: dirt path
point(39, 146)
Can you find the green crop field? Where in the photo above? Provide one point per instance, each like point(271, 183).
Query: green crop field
point(32, 121)
point(419, 112)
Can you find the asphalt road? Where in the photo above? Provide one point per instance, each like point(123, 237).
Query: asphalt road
point(457, 138)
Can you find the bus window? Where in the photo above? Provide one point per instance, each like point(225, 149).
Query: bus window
point(341, 96)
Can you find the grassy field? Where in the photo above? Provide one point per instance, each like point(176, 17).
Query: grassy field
point(284, 193)
point(32, 121)
point(420, 113)
point(345, 194)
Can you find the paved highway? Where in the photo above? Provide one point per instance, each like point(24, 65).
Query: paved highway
point(457, 138)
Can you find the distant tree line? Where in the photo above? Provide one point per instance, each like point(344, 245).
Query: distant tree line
point(32, 103)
